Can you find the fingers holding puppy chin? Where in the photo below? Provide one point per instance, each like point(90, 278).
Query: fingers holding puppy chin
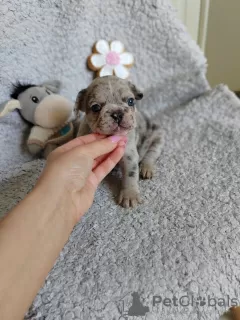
point(71, 168)
point(102, 147)
point(77, 142)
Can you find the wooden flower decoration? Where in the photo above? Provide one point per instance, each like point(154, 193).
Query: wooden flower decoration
point(110, 59)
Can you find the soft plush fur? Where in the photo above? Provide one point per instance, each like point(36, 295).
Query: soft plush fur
point(109, 104)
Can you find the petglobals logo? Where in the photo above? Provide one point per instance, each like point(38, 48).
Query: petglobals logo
point(134, 306)
point(190, 301)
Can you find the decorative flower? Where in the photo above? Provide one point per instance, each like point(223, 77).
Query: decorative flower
point(110, 59)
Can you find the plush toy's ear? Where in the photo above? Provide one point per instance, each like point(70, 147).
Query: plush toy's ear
point(9, 106)
point(53, 85)
point(80, 101)
point(137, 93)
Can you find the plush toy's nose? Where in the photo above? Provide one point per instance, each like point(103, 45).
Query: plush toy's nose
point(53, 111)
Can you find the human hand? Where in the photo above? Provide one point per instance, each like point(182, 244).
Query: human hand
point(74, 170)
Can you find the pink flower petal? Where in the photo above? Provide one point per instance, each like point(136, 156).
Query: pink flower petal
point(113, 58)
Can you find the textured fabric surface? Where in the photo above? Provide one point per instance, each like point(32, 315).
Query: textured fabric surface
point(44, 39)
point(13, 136)
point(184, 239)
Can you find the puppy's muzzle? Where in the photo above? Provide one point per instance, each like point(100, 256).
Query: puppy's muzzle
point(117, 116)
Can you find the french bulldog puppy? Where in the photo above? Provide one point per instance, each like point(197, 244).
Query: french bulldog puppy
point(109, 104)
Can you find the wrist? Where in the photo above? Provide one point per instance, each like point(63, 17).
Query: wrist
point(54, 201)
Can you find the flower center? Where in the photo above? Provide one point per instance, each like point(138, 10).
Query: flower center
point(113, 58)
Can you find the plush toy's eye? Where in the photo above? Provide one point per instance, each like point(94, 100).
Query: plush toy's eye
point(96, 107)
point(130, 102)
point(35, 99)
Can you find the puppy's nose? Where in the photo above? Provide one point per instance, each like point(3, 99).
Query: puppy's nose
point(117, 116)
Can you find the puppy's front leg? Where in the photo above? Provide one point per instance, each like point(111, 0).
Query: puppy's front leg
point(129, 194)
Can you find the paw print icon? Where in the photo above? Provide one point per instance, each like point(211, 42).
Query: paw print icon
point(201, 301)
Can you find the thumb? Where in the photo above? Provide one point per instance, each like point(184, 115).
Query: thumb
point(101, 147)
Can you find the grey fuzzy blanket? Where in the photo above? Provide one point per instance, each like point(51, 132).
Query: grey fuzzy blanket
point(176, 256)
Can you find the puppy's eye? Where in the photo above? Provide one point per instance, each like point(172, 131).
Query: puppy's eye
point(35, 99)
point(130, 102)
point(96, 107)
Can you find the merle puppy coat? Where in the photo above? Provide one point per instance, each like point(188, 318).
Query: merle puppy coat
point(109, 104)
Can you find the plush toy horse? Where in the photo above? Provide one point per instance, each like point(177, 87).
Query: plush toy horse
point(50, 114)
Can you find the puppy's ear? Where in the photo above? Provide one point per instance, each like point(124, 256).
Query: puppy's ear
point(80, 101)
point(137, 93)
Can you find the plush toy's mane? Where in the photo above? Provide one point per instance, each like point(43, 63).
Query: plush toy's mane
point(19, 88)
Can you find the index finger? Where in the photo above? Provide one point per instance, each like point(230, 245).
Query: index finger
point(102, 147)
point(79, 141)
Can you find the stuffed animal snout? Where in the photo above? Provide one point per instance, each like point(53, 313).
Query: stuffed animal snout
point(53, 111)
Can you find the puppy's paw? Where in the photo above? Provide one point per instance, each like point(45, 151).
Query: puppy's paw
point(129, 198)
point(146, 170)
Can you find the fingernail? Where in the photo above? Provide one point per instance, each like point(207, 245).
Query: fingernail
point(115, 139)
